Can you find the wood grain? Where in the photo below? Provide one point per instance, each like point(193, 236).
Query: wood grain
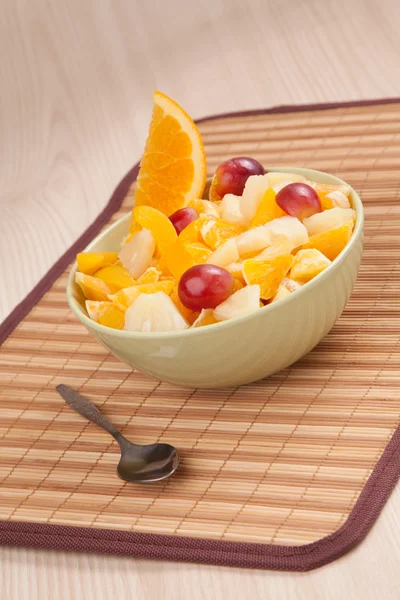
point(76, 79)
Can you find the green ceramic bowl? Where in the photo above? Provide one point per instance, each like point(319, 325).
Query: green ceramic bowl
point(244, 349)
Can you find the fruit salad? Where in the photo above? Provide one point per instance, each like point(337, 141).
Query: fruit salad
point(190, 261)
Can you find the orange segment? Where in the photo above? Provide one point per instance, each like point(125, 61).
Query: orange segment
point(331, 242)
point(106, 314)
point(237, 285)
point(199, 252)
point(204, 206)
point(326, 202)
point(90, 262)
point(268, 274)
point(160, 226)
point(93, 288)
point(173, 168)
point(152, 275)
point(186, 313)
point(206, 317)
point(124, 298)
point(116, 277)
point(191, 233)
point(308, 264)
point(178, 260)
point(268, 210)
point(216, 231)
point(326, 188)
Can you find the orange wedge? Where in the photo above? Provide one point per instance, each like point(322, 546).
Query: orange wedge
point(267, 273)
point(268, 210)
point(105, 313)
point(93, 288)
point(160, 226)
point(90, 262)
point(116, 277)
point(331, 242)
point(173, 168)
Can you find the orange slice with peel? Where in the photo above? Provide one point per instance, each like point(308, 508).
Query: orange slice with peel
point(173, 168)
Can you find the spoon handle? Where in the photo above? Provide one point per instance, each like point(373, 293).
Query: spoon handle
point(85, 408)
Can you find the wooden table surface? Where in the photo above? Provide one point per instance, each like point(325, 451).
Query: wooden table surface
point(76, 80)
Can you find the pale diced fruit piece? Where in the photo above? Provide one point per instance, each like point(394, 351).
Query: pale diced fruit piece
point(210, 209)
point(253, 240)
point(206, 317)
point(326, 188)
point(136, 255)
point(236, 269)
point(253, 193)
point(240, 303)
point(282, 292)
point(279, 186)
point(274, 179)
point(230, 210)
point(328, 219)
point(291, 227)
point(280, 245)
point(291, 285)
point(307, 264)
point(339, 199)
point(225, 254)
point(154, 312)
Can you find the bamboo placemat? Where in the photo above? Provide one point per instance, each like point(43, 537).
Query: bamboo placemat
point(271, 473)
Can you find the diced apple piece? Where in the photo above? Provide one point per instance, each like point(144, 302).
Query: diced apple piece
point(308, 264)
point(253, 240)
point(291, 227)
point(154, 312)
point(328, 219)
point(282, 292)
point(225, 254)
point(253, 193)
point(230, 210)
point(275, 179)
point(241, 302)
point(291, 285)
point(280, 245)
point(136, 255)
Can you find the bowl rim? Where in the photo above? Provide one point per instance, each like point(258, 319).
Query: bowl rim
point(79, 312)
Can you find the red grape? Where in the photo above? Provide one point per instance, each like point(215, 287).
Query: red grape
point(299, 200)
point(231, 176)
point(205, 286)
point(182, 218)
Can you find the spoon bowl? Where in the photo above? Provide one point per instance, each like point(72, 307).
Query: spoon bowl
point(139, 464)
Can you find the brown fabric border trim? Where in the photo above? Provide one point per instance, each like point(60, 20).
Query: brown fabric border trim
point(236, 554)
